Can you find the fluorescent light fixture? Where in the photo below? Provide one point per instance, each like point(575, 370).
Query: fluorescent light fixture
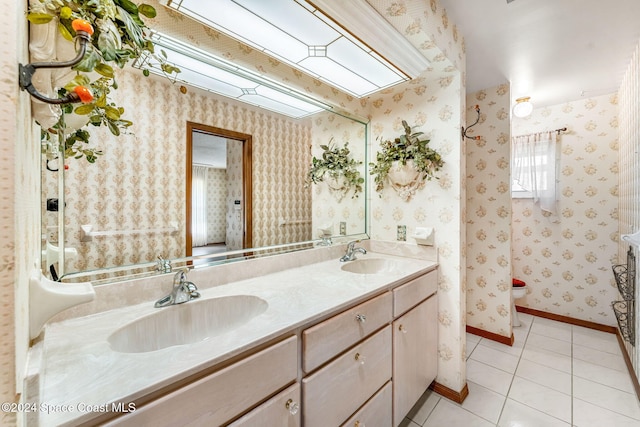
point(206, 71)
point(300, 35)
point(523, 107)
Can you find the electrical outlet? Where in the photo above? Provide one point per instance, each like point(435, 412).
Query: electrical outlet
point(343, 228)
point(401, 234)
point(52, 234)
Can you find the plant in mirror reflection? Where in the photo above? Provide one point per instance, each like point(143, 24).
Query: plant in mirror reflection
point(120, 36)
point(337, 165)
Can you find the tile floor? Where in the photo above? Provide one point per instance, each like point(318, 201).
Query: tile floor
point(555, 374)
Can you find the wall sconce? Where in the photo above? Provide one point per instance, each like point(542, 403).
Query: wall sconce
point(464, 131)
point(523, 107)
point(80, 94)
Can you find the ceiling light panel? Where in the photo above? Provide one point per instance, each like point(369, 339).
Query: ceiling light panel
point(205, 71)
point(300, 35)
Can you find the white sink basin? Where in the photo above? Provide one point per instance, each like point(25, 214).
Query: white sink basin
point(186, 323)
point(371, 266)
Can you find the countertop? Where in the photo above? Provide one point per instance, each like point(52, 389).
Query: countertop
point(80, 370)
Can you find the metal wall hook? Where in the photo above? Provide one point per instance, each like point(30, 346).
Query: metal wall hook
point(27, 71)
point(464, 131)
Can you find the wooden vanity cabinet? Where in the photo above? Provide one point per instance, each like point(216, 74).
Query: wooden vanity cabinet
point(223, 395)
point(334, 392)
point(282, 410)
point(415, 355)
point(365, 366)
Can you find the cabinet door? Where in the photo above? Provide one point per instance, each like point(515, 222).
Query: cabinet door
point(415, 358)
point(283, 410)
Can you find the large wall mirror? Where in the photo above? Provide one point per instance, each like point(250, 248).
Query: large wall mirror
point(131, 206)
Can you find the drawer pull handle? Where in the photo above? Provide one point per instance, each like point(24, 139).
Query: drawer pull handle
point(360, 358)
point(402, 329)
point(292, 406)
point(361, 318)
point(358, 424)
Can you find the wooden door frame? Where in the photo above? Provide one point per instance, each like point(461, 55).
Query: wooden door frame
point(247, 165)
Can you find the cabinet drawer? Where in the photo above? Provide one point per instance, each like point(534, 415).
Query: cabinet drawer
point(275, 411)
point(336, 391)
point(325, 340)
point(217, 398)
point(410, 294)
point(376, 412)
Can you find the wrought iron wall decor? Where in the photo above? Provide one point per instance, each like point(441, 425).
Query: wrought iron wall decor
point(624, 310)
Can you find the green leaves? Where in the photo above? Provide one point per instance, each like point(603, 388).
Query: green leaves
point(39, 18)
point(337, 164)
point(410, 146)
point(119, 37)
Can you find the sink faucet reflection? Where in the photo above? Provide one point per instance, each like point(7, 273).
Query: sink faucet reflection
point(183, 291)
point(352, 250)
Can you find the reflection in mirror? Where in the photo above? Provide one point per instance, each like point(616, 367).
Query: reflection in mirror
point(219, 202)
point(130, 206)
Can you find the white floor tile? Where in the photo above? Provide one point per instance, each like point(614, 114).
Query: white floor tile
point(606, 397)
point(598, 340)
point(547, 343)
point(483, 402)
point(488, 377)
point(495, 358)
point(603, 375)
point(470, 347)
point(555, 375)
point(473, 338)
point(451, 415)
point(408, 423)
point(548, 358)
point(587, 415)
point(543, 375)
point(514, 350)
point(424, 407)
point(551, 330)
point(541, 398)
point(516, 414)
point(598, 357)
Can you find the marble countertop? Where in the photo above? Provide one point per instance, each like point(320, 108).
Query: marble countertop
point(79, 369)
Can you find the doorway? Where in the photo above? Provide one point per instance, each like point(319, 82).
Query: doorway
point(232, 169)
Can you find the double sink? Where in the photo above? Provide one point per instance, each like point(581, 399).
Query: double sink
point(200, 320)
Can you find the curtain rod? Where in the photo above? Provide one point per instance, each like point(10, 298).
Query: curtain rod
point(564, 129)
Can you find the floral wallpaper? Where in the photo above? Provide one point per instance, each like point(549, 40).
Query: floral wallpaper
point(330, 207)
point(432, 103)
point(139, 181)
point(629, 165)
point(489, 211)
point(566, 258)
point(216, 205)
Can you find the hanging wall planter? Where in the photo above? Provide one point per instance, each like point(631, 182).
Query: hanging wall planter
point(113, 34)
point(405, 163)
point(338, 169)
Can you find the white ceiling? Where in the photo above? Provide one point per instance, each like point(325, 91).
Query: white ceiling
point(551, 50)
point(209, 150)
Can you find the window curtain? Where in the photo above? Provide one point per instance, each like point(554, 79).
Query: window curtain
point(534, 167)
point(199, 206)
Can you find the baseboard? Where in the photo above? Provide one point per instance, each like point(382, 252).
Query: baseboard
point(491, 336)
point(567, 319)
point(627, 361)
point(444, 391)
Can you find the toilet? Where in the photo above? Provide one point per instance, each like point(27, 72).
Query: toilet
point(519, 290)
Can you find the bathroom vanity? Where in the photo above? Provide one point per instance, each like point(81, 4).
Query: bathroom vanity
point(351, 344)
